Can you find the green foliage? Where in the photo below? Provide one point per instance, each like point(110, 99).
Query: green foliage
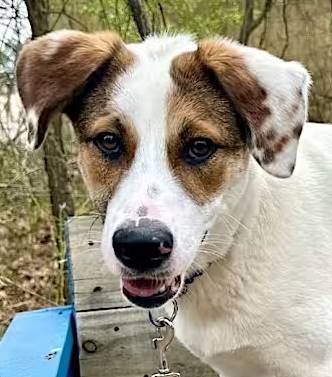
point(94, 15)
point(202, 17)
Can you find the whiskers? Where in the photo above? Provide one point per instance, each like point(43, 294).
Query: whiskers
point(237, 221)
point(206, 273)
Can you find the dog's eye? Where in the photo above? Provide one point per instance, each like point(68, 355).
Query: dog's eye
point(199, 150)
point(110, 144)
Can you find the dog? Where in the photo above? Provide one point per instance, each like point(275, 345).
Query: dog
point(189, 149)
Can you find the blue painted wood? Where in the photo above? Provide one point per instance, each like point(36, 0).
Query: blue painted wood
point(39, 344)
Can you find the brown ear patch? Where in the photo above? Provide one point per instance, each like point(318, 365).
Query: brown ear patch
point(197, 107)
point(265, 91)
point(241, 86)
point(52, 67)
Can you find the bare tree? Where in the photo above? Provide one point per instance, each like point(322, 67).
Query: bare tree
point(140, 18)
point(54, 157)
point(249, 23)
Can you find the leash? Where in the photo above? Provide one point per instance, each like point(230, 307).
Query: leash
point(165, 329)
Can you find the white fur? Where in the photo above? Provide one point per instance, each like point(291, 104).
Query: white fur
point(264, 307)
point(32, 128)
point(55, 41)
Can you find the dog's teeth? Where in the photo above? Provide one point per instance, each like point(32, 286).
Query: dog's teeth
point(162, 289)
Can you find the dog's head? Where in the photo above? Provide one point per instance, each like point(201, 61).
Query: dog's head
point(166, 129)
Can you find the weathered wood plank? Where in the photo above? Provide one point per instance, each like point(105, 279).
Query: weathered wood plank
point(93, 286)
point(122, 340)
point(115, 339)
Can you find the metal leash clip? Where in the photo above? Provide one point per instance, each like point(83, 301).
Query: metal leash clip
point(165, 337)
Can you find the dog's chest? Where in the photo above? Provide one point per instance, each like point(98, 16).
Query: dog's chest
point(224, 348)
point(221, 311)
point(205, 336)
point(230, 350)
point(218, 323)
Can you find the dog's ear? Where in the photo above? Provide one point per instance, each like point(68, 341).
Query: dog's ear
point(51, 68)
point(269, 93)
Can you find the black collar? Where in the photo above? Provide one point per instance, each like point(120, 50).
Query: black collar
point(189, 280)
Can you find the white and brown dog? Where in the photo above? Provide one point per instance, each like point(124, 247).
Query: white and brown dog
point(184, 147)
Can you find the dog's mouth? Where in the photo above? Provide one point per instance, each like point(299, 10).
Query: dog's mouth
point(150, 293)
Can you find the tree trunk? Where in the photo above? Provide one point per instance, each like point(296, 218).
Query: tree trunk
point(62, 203)
point(248, 19)
point(249, 23)
point(139, 18)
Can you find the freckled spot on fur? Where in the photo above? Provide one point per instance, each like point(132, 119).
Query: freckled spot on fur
point(284, 139)
point(259, 141)
point(279, 146)
point(142, 211)
point(269, 156)
point(295, 108)
point(271, 135)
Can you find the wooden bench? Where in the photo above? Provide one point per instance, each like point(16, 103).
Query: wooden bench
point(113, 338)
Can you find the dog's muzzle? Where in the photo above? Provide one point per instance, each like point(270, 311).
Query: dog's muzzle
point(145, 248)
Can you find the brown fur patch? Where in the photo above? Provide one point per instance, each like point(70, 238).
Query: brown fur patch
point(51, 68)
point(243, 89)
point(92, 113)
point(198, 107)
point(75, 73)
point(100, 174)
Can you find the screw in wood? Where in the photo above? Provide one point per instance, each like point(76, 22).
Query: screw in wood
point(89, 346)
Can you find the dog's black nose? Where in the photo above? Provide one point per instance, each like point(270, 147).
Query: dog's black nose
point(144, 246)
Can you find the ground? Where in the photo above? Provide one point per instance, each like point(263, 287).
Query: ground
point(28, 266)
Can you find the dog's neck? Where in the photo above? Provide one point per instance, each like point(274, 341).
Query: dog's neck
point(223, 280)
point(236, 215)
point(232, 228)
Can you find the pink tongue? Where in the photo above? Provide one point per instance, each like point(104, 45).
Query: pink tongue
point(143, 287)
